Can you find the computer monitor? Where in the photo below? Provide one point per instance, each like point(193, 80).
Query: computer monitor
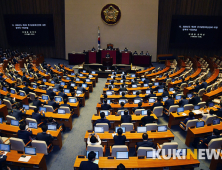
point(44, 88)
point(111, 77)
point(1, 119)
point(84, 85)
point(122, 100)
point(137, 101)
point(66, 90)
point(133, 75)
point(180, 78)
point(200, 124)
point(45, 98)
point(123, 128)
point(108, 101)
point(80, 75)
point(78, 92)
point(134, 85)
point(96, 152)
point(87, 80)
point(180, 109)
point(55, 90)
point(77, 79)
point(14, 122)
point(162, 128)
point(216, 121)
point(211, 104)
point(160, 90)
point(105, 111)
point(144, 112)
point(156, 84)
point(26, 107)
point(173, 80)
point(122, 155)
point(90, 76)
point(84, 71)
point(61, 111)
point(134, 92)
point(44, 80)
point(147, 91)
point(190, 84)
point(178, 97)
point(58, 99)
point(42, 109)
point(121, 81)
point(160, 76)
point(197, 107)
point(72, 74)
point(171, 89)
point(52, 127)
point(189, 95)
point(98, 129)
point(181, 152)
point(93, 72)
point(109, 93)
point(62, 83)
point(151, 100)
point(72, 100)
point(142, 79)
point(73, 84)
point(30, 75)
point(4, 89)
point(145, 85)
point(4, 147)
point(141, 129)
point(52, 82)
point(165, 98)
point(67, 78)
point(33, 125)
point(34, 86)
point(150, 154)
point(13, 91)
point(22, 94)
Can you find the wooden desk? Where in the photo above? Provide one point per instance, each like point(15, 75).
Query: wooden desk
point(139, 73)
point(214, 162)
point(23, 99)
point(95, 75)
point(157, 73)
point(3, 111)
point(37, 160)
point(172, 75)
point(116, 120)
point(211, 95)
point(130, 90)
point(200, 132)
point(11, 131)
point(134, 162)
point(157, 137)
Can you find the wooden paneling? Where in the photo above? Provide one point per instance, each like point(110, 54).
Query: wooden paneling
point(55, 7)
point(167, 8)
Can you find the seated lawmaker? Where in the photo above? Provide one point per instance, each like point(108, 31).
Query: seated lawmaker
point(148, 118)
point(80, 88)
point(135, 53)
point(53, 103)
point(169, 102)
point(84, 165)
point(165, 92)
point(93, 49)
point(119, 139)
point(191, 117)
point(157, 103)
point(8, 97)
point(47, 137)
point(121, 106)
point(219, 111)
point(23, 134)
point(123, 96)
point(150, 95)
point(145, 142)
point(50, 92)
point(102, 120)
point(105, 106)
point(210, 113)
point(183, 101)
point(122, 88)
point(17, 112)
point(139, 107)
point(126, 118)
point(138, 96)
point(146, 81)
point(54, 122)
point(203, 84)
point(125, 49)
point(141, 53)
point(62, 94)
point(37, 116)
point(65, 103)
point(194, 100)
point(93, 140)
point(37, 102)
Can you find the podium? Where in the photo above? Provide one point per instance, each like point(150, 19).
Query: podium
point(107, 62)
point(112, 54)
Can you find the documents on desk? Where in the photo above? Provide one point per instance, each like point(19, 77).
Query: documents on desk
point(197, 112)
point(184, 114)
point(24, 159)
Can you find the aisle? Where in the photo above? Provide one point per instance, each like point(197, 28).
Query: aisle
point(74, 144)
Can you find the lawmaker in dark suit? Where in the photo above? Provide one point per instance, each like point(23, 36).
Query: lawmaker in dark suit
point(53, 103)
point(148, 118)
point(161, 86)
point(65, 103)
point(123, 96)
point(183, 102)
point(203, 84)
point(50, 92)
point(165, 92)
point(216, 134)
point(17, 113)
point(146, 81)
point(105, 106)
point(119, 139)
point(8, 97)
point(158, 103)
point(169, 102)
point(126, 118)
point(122, 88)
point(44, 136)
point(37, 102)
point(139, 106)
point(89, 165)
point(26, 89)
point(24, 77)
point(102, 120)
point(122, 104)
point(37, 116)
point(62, 94)
point(138, 96)
point(23, 134)
point(145, 142)
point(3, 161)
point(195, 100)
point(81, 88)
point(219, 111)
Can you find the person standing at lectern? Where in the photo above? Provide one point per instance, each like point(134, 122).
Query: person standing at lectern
point(93, 49)
point(125, 49)
point(107, 55)
point(147, 53)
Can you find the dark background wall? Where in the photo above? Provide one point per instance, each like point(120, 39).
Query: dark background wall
point(55, 7)
point(167, 8)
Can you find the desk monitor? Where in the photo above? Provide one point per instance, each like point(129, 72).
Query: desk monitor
point(34, 86)
point(33, 125)
point(144, 112)
point(132, 80)
point(4, 89)
point(84, 71)
point(96, 152)
point(122, 112)
point(150, 154)
point(197, 107)
point(189, 95)
point(178, 97)
point(151, 100)
point(160, 90)
point(171, 89)
point(58, 99)
point(108, 101)
point(1, 120)
point(216, 121)
point(181, 152)
point(14, 122)
point(87, 80)
point(145, 85)
point(61, 111)
point(13, 91)
point(93, 72)
point(52, 82)
point(67, 78)
point(200, 124)
point(208, 90)
point(42, 109)
point(160, 76)
point(141, 129)
point(165, 98)
point(134, 92)
point(122, 100)
point(122, 155)
point(105, 111)
point(44, 88)
point(90, 76)
point(66, 90)
point(72, 74)
point(134, 85)
point(54, 90)
point(133, 75)
point(156, 84)
point(45, 98)
point(180, 78)
point(123, 72)
point(111, 77)
point(73, 84)
point(30, 75)
point(123, 128)
point(137, 101)
point(0, 102)
point(77, 79)
point(62, 83)
point(44, 80)
point(4, 147)
point(121, 81)
point(180, 109)
point(78, 92)
point(190, 84)
point(26, 107)
point(84, 85)
point(98, 129)
point(173, 80)
point(13, 79)
point(52, 127)
point(109, 92)
point(147, 91)
point(80, 75)
point(142, 79)
point(72, 100)
point(22, 94)
point(211, 104)
point(162, 128)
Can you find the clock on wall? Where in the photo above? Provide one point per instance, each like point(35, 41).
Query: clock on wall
point(111, 14)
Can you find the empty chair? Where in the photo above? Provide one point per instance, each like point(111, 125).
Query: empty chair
point(173, 108)
point(151, 126)
point(201, 92)
point(190, 123)
point(118, 148)
point(4, 140)
point(17, 144)
point(67, 109)
point(128, 126)
point(8, 104)
point(188, 107)
point(45, 96)
point(158, 111)
point(139, 111)
point(27, 120)
point(215, 143)
point(142, 150)
point(209, 119)
point(49, 108)
point(9, 118)
point(41, 147)
point(167, 146)
point(104, 125)
point(60, 98)
point(99, 148)
point(202, 104)
point(23, 92)
point(182, 86)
